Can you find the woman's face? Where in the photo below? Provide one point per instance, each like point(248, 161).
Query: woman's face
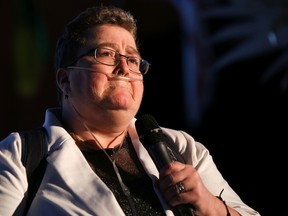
point(98, 88)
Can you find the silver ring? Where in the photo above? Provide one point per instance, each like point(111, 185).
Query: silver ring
point(180, 187)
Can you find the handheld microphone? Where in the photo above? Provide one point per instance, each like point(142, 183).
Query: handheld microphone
point(151, 136)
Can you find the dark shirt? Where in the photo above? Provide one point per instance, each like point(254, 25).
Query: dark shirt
point(142, 196)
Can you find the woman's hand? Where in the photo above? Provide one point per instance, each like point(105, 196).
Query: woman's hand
point(181, 184)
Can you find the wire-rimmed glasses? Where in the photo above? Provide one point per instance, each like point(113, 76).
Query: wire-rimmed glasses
point(110, 57)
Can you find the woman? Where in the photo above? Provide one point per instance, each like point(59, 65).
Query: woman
point(97, 164)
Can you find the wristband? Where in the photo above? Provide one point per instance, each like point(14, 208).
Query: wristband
point(220, 198)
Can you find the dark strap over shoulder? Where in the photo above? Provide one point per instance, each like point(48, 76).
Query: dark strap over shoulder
point(34, 148)
point(34, 153)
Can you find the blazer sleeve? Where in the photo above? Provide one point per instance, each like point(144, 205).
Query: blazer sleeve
point(13, 180)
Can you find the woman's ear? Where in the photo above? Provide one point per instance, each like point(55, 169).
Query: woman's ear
point(62, 79)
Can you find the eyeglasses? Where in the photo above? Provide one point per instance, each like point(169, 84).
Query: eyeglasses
point(111, 57)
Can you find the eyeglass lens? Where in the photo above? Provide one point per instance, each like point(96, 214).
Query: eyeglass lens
point(112, 57)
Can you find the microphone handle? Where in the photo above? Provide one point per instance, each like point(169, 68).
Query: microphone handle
point(161, 157)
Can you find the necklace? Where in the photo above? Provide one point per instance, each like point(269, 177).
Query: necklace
point(124, 188)
point(111, 158)
point(83, 144)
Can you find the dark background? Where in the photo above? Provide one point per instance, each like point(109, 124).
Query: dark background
point(238, 107)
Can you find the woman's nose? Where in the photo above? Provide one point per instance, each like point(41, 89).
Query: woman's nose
point(122, 65)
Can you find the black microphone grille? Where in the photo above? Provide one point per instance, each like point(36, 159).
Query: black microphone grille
point(148, 128)
point(146, 123)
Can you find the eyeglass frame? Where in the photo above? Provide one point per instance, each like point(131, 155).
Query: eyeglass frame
point(116, 62)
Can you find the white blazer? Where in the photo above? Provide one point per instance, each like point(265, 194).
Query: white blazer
point(70, 187)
